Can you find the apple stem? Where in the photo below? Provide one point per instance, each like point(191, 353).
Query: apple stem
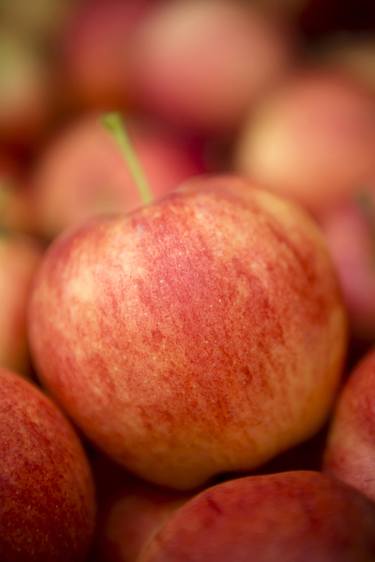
point(114, 123)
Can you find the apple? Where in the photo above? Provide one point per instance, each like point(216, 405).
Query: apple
point(131, 518)
point(19, 258)
point(313, 140)
point(82, 172)
point(24, 87)
point(293, 516)
point(350, 232)
point(96, 50)
point(47, 505)
point(200, 334)
point(350, 452)
point(201, 64)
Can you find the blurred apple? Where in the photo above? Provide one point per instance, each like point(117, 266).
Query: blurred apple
point(293, 517)
point(16, 206)
point(313, 140)
point(47, 505)
point(350, 453)
point(24, 88)
point(202, 63)
point(198, 335)
point(83, 174)
point(350, 233)
point(96, 50)
point(19, 257)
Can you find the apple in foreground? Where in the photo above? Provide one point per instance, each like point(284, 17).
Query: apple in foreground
point(47, 505)
point(292, 516)
point(313, 140)
point(19, 258)
point(82, 173)
point(350, 453)
point(200, 334)
point(202, 63)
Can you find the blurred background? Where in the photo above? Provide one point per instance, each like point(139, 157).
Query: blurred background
point(281, 91)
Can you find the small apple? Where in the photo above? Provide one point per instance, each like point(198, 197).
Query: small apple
point(293, 516)
point(47, 505)
point(350, 453)
point(200, 334)
point(313, 140)
point(19, 258)
point(82, 173)
point(201, 64)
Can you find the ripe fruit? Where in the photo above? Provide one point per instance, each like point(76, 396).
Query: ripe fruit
point(312, 141)
point(19, 257)
point(350, 454)
point(82, 173)
point(202, 63)
point(47, 503)
point(201, 334)
point(293, 516)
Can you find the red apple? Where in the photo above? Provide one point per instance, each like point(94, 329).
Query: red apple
point(350, 233)
point(131, 518)
point(96, 50)
point(313, 140)
point(19, 257)
point(293, 517)
point(83, 174)
point(198, 335)
point(202, 63)
point(16, 205)
point(24, 87)
point(47, 505)
point(350, 453)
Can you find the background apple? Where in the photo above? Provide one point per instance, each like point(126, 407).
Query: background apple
point(19, 257)
point(206, 331)
point(306, 516)
point(83, 173)
point(47, 505)
point(194, 62)
point(313, 140)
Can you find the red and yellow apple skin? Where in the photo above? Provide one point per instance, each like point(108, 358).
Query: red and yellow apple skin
point(313, 140)
point(349, 229)
point(131, 518)
point(350, 452)
point(194, 63)
point(300, 516)
point(19, 258)
point(83, 174)
point(202, 334)
point(47, 506)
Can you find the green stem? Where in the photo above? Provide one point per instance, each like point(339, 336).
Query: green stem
point(114, 123)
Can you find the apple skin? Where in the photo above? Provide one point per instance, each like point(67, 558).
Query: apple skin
point(194, 64)
point(306, 516)
point(19, 258)
point(202, 334)
point(350, 452)
point(131, 518)
point(16, 201)
point(83, 172)
point(349, 230)
point(47, 505)
point(313, 140)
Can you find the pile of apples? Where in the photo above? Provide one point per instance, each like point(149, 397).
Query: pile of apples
point(187, 281)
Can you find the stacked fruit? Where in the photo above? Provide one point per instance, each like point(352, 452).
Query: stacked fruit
point(187, 252)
